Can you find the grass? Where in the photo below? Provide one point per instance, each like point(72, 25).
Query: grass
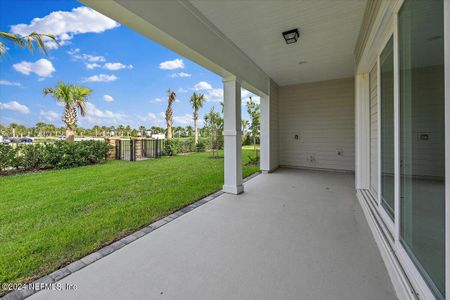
point(52, 218)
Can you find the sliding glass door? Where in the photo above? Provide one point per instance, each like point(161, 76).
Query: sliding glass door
point(387, 128)
point(422, 148)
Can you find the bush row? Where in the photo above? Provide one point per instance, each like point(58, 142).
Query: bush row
point(59, 155)
point(184, 145)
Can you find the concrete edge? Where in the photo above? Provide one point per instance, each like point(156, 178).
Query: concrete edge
point(50, 279)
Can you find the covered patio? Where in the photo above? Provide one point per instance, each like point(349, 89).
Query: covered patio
point(293, 234)
point(298, 231)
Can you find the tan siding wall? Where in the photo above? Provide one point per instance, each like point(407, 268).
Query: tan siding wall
point(373, 130)
point(322, 115)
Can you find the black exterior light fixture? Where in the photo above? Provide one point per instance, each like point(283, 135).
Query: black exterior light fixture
point(291, 36)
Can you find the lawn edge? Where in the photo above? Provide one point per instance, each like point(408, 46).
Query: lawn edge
point(111, 247)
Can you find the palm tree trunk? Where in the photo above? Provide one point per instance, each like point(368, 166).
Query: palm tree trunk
point(195, 131)
point(70, 136)
point(169, 131)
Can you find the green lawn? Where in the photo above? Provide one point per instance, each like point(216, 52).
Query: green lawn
point(51, 218)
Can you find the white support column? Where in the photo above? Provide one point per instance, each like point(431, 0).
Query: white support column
point(265, 135)
point(269, 129)
point(232, 136)
point(362, 132)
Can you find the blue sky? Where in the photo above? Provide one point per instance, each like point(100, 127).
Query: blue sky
point(128, 73)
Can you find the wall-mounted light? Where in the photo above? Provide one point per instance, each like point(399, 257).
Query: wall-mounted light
point(291, 36)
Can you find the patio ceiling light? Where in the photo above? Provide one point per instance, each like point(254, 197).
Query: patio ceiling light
point(291, 36)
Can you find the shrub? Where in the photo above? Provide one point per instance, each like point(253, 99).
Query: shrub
point(58, 155)
point(31, 156)
point(200, 147)
point(175, 146)
point(171, 147)
point(7, 154)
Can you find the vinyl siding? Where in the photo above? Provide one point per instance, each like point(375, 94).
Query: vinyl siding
point(373, 131)
point(322, 115)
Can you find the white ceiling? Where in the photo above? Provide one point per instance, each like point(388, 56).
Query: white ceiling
point(328, 33)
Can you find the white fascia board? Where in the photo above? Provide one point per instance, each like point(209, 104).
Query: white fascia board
point(179, 26)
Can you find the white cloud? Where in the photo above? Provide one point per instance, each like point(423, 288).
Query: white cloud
point(92, 66)
point(66, 24)
point(151, 117)
point(181, 90)
point(172, 64)
point(11, 83)
point(96, 116)
point(101, 78)
point(108, 98)
point(14, 106)
point(50, 115)
point(202, 85)
point(214, 95)
point(93, 111)
point(42, 67)
point(183, 120)
point(156, 100)
point(245, 96)
point(116, 66)
point(180, 74)
point(92, 61)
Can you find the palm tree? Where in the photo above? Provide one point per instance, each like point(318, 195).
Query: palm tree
point(189, 130)
point(197, 103)
point(169, 113)
point(31, 41)
point(96, 129)
point(128, 130)
point(142, 130)
point(73, 97)
point(13, 127)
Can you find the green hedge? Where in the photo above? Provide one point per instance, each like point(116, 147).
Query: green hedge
point(59, 155)
point(175, 146)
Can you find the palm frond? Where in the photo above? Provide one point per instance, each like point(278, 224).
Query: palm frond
point(28, 40)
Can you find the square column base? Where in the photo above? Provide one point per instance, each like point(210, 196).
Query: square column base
point(233, 189)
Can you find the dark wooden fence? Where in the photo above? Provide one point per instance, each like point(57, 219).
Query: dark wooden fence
point(139, 149)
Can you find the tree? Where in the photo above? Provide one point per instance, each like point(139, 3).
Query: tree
point(142, 130)
point(157, 129)
point(13, 127)
point(40, 127)
point(96, 129)
point(73, 98)
point(189, 130)
point(254, 112)
point(197, 103)
point(171, 96)
point(31, 41)
point(128, 130)
point(244, 125)
point(214, 126)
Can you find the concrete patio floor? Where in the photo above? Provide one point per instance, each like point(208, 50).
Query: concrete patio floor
point(293, 234)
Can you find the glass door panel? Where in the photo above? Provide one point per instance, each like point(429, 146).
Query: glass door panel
point(422, 148)
point(387, 128)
